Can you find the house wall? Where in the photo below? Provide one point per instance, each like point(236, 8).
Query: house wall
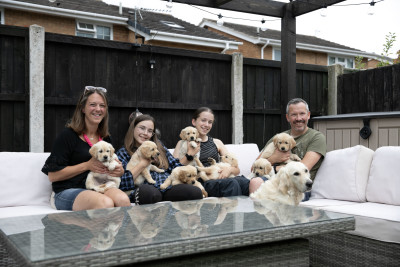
point(55, 24)
point(50, 23)
point(250, 50)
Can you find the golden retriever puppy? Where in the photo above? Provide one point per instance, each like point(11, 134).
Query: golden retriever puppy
point(147, 150)
point(190, 136)
point(183, 175)
point(213, 171)
point(287, 186)
point(188, 218)
point(283, 142)
point(101, 182)
point(261, 168)
point(149, 219)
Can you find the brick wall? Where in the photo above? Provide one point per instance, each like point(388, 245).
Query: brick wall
point(310, 57)
point(50, 23)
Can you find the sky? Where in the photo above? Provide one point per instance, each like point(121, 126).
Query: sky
point(346, 23)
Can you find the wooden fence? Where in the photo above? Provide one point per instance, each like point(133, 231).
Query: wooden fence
point(179, 82)
point(374, 90)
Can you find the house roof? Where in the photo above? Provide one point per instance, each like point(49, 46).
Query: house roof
point(273, 37)
point(151, 25)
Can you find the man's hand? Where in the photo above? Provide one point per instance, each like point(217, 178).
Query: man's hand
point(279, 156)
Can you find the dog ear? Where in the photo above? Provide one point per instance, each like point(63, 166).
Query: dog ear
point(268, 169)
point(292, 143)
point(275, 140)
point(182, 134)
point(283, 177)
point(112, 149)
point(93, 150)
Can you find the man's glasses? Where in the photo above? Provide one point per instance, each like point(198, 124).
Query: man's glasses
point(146, 130)
point(92, 88)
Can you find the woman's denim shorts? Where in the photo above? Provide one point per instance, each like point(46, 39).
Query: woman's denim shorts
point(65, 199)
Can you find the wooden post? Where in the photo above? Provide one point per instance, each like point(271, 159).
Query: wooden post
point(288, 63)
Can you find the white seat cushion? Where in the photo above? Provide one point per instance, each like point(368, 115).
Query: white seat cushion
point(384, 178)
point(343, 174)
point(246, 154)
point(23, 183)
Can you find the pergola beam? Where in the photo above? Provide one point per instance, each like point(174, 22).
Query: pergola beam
point(306, 6)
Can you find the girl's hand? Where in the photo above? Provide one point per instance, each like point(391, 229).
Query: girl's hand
point(225, 172)
point(117, 172)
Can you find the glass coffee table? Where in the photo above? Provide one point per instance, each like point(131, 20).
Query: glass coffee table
point(212, 231)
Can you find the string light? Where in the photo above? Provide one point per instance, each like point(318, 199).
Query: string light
point(220, 21)
point(169, 4)
point(324, 11)
point(371, 9)
point(263, 25)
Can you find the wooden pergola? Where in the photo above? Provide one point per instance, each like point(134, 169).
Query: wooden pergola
point(288, 13)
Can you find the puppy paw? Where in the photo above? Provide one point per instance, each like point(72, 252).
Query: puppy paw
point(193, 144)
point(163, 186)
point(151, 181)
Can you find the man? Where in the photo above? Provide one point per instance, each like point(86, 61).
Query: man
point(310, 143)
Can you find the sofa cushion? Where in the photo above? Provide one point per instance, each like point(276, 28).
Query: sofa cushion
point(384, 177)
point(343, 174)
point(24, 184)
point(246, 154)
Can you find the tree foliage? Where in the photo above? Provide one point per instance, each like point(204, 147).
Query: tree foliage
point(390, 39)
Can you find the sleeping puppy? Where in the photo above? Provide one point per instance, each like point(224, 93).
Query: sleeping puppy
point(283, 142)
point(101, 182)
point(287, 186)
point(190, 136)
point(183, 175)
point(213, 171)
point(261, 168)
point(147, 150)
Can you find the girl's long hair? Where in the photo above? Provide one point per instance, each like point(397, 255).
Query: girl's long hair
point(129, 141)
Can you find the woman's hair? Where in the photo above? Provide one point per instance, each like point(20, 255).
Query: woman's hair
point(129, 141)
point(198, 111)
point(77, 122)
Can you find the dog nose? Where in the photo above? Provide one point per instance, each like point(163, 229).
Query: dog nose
point(257, 174)
point(105, 157)
point(158, 153)
point(309, 184)
point(192, 138)
point(193, 182)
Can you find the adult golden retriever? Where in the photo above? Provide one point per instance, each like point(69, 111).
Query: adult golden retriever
point(101, 182)
point(149, 151)
point(287, 186)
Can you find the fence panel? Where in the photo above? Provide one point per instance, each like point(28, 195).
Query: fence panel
point(374, 90)
point(262, 98)
point(14, 86)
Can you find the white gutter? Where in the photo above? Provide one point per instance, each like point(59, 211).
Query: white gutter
point(187, 39)
point(262, 48)
point(56, 11)
point(226, 48)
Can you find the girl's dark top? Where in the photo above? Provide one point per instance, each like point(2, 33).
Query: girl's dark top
point(208, 149)
point(68, 150)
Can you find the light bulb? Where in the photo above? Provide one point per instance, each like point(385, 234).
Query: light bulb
point(263, 25)
point(52, 1)
point(169, 4)
point(220, 21)
point(371, 8)
point(324, 12)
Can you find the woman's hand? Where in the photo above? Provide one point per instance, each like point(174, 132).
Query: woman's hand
point(96, 166)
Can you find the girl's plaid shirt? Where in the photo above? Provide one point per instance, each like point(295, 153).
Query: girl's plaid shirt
point(127, 179)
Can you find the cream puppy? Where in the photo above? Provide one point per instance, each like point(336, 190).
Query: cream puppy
point(101, 182)
point(190, 137)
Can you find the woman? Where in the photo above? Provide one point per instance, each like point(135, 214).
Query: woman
point(203, 119)
point(140, 130)
point(70, 161)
